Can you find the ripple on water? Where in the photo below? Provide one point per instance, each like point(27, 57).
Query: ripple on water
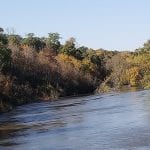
point(108, 121)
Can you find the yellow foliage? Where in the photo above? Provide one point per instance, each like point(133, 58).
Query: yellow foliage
point(88, 65)
point(84, 65)
point(133, 76)
point(146, 81)
point(69, 59)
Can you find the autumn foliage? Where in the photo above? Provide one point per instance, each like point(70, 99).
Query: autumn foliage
point(33, 68)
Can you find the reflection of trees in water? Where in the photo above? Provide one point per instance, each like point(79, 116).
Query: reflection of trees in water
point(46, 118)
point(9, 132)
point(11, 129)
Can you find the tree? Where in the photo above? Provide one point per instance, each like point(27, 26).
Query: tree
point(5, 53)
point(5, 57)
point(145, 48)
point(14, 39)
point(3, 39)
point(81, 52)
point(1, 30)
point(33, 42)
point(52, 41)
point(69, 47)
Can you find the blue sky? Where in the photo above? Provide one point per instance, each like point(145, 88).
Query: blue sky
point(108, 24)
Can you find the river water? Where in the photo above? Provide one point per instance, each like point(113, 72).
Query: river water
point(115, 121)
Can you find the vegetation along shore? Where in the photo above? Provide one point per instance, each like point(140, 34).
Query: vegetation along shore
point(33, 68)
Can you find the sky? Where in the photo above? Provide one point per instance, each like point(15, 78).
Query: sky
point(107, 24)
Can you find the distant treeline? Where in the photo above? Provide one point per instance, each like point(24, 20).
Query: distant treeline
point(33, 68)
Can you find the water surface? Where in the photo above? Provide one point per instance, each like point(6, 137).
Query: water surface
point(117, 121)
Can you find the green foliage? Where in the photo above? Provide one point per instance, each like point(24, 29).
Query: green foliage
point(53, 42)
point(80, 53)
point(3, 39)
point(69, 47)
point(33, 68)
point(1, 30)
point(5, 53)
point(5, 58)
point(33, 42)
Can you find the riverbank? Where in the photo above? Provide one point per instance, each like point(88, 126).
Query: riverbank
point(6, 105)
point(34, 68)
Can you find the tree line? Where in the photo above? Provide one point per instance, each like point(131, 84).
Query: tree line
point(33, 68)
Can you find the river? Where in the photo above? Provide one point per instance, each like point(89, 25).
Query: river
point(115, 121)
